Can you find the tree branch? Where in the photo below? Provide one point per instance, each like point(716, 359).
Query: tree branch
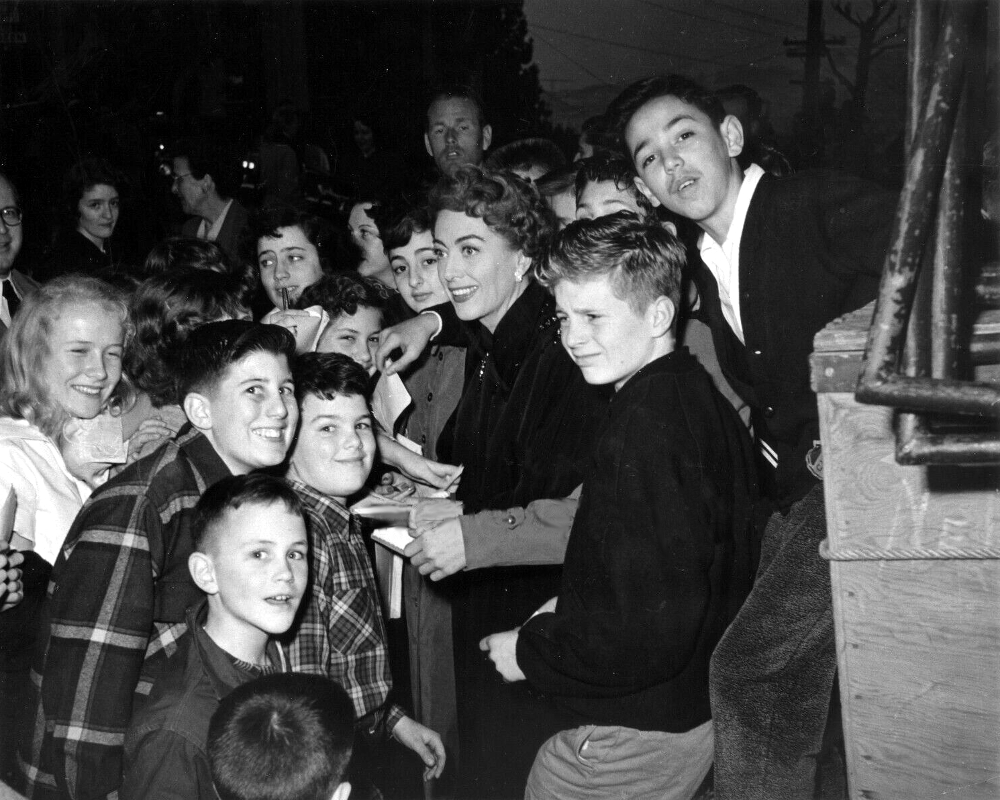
point(840, 76)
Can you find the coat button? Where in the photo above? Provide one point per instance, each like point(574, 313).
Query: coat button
point(756, 352)
point(440, 356)
point(510, 520)
point(430, 396)
point(769, 412)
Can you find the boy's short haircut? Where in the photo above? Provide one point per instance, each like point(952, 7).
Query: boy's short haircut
point(286, 736)
point(523, 155)
point(402, 227)
point(212, 348)
point(328, 375)
point(234, 491)
point(635, 96)
point(604, 169)
point(643, 261)
point(595, 129)
point(461, 91)
point(344, 293)
point(558, 181)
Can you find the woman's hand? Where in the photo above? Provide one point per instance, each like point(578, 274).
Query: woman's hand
point(150, 430)
point(394, 486)
point(410, 338)
point(424, 742)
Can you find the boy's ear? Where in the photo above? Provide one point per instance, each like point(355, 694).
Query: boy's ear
point(662, 313)
point(427, 145)
point(732, 133)
point(198, 409)
point(342, 792)
point(203, 572)
point(487, 137)
point(642, 187)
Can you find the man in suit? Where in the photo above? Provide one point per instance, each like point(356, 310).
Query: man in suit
point(15, 284)
point(779, 259)
point(204, 182)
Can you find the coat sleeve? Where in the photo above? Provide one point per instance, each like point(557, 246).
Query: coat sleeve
point(102, 620)
point(163, 765)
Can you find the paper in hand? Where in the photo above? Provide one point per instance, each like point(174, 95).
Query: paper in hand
point(8, 510)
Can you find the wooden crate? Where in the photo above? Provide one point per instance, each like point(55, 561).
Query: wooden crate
point(916, 596)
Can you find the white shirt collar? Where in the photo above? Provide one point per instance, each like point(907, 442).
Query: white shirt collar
point(212, 233)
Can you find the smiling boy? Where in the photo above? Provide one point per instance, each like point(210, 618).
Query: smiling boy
point(121, 586)
point(780, 258)
point(249, 559)
point(658, 560)
point(341, 633)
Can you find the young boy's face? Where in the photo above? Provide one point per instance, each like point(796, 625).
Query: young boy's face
point(601, 198)
point(259, 569)
point(606, 338)
point(335, 447)
point(414, 268)
point(684, 161)
point(563, 205)
point(354, 335)
point(251, 412)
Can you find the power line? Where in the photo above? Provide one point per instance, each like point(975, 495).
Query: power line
point(637, 48)
point(713, 20)
point(755, 15)
point(572, 60)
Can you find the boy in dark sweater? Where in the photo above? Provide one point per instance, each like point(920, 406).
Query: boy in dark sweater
point(658, 561)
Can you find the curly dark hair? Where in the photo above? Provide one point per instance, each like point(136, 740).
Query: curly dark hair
point(507, 204)
point(85, 175)
point(344, 293)
point(270, 219)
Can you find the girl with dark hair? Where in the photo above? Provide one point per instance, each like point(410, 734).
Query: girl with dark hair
point(91, 205)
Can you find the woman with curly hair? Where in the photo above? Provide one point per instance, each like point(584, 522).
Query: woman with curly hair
point(60, 364)
point(522, 431)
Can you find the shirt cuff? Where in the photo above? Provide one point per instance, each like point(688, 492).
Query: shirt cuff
point(393, 715)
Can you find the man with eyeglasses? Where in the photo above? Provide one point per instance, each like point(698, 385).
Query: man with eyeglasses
point(203, 181)
point(15, 284)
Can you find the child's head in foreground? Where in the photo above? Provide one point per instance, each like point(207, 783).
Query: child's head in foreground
point(605, 186)
point(616, 281)
point(335, 447)
point(409, 243)
point(286, 736)
point(357, 308)
point(235, 381)
point(250, 558)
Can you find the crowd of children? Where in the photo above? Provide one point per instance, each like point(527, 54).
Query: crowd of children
point(587, 388)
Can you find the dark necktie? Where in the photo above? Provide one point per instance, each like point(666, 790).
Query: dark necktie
point(13, 301)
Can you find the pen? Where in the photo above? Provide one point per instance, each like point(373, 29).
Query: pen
point(284, 299)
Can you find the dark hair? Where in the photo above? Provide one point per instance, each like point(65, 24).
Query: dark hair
point(164, 310)
point(269, 220)
point(13, 188)
point(209, 157)
point(345, 292)
point(755, 105)
point(286, 736)
point(595, 129)
point(212, 348)
point(234, 491)
point(400, 229)
point(635, 96)
point(525, 154)
point(186, 251)
point(460, 91)
point(508, 205)
point(329, 375)
point(26, 348)
point(600, 169)
point(558, 180)
point(85, 175)
point(644, 261)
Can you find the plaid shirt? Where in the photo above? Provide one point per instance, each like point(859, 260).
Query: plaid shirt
point(118, 597)
point(341, 634)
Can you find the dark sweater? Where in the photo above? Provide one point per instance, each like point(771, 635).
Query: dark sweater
point(658, 561)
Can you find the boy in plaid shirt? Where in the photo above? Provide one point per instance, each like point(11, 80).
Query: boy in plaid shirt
point(340, 633)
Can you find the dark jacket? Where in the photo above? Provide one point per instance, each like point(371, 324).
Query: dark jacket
point(74, 252)
point(166, 745)
point(812, 250)
point(523, 429)
point(658, 562)
point(230, 234)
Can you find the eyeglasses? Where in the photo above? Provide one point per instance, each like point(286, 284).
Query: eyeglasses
point(179, 177)
point(11, 215)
